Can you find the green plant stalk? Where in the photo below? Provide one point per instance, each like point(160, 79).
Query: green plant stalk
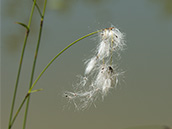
point(30, 90)
point(12, 122)
point(34, 63)
point(20, 65)
point(39, 11)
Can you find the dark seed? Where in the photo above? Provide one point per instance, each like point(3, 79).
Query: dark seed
point(110, 69)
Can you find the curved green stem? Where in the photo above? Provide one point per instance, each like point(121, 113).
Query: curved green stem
point(30, 90)
point(34, 64)
point(20, 65)
point(58, 56)
point(39, 11)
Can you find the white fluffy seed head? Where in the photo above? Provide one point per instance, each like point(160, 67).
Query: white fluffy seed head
point(106, 86)
point(90, 65)
point(103, 49)
point(114, 38)
point(82, 99)
point(118, 38)
point(100, 76)
point(104, 79)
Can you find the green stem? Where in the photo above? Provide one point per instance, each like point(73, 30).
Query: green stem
point(30, 90)
point(58, 56)
point(20, 65)
point(39, 11)
point(34, 65)
point(12, 122)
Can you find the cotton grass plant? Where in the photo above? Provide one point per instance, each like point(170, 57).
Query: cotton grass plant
point(100, 75)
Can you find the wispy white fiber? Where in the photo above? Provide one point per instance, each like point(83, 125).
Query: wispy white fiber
point(103, 49)
point(90, 65)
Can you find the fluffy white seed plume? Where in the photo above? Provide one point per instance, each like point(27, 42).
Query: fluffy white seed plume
point(100, 75)
point(111, 39)
point(117, 38)
point(105, 79)
point(106, 86)
point(82, 99)
point(99, 86)
point(103, 49)
point(90, 65)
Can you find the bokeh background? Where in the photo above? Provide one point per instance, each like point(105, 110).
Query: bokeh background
point(144, 95)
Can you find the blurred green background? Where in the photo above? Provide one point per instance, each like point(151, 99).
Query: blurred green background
point(144, 95)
